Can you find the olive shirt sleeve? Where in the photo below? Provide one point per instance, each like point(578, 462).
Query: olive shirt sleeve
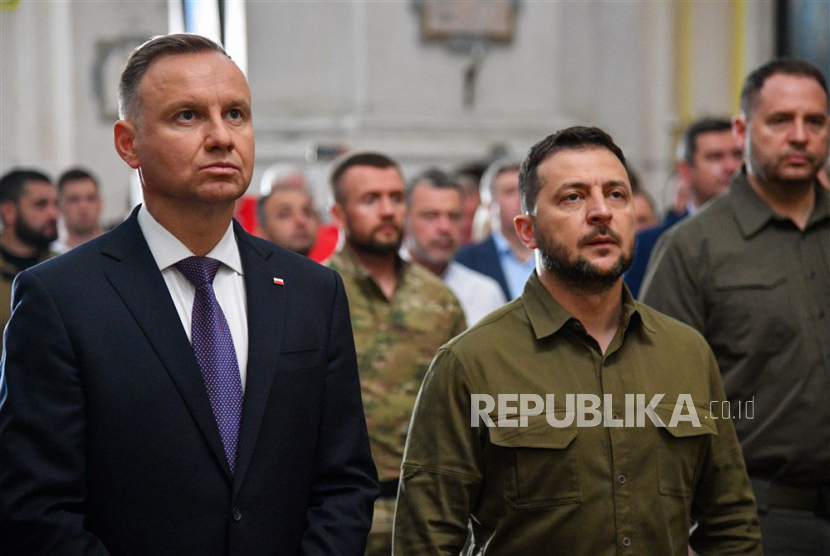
point(441, 471)
point(723, 503)
point(460, 320)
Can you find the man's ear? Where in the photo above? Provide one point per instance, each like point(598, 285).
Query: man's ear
point(8, 213)
point(739, 130)
point(124, 134)
point(684, 170)
point(524, 229)
point(338, 216)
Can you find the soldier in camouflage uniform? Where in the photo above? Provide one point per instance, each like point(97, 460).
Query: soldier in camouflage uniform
point(29, 214)
point(401, 315)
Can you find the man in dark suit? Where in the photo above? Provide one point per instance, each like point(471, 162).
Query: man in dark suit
point(178, 386)
point(708, 156)
point(502, 256)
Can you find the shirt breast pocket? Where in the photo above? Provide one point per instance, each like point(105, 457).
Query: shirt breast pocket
point(750, 309)
point(681, 451)
point(544, 469)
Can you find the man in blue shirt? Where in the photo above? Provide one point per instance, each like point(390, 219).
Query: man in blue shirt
point(502, 256)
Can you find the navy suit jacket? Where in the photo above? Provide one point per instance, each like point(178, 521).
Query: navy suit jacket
point(484, 258)
point(645, 242)
point(108, 442)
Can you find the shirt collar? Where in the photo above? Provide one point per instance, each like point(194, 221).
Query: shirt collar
point(547, 316)
point(753, 213)
point(350, 264)
point(821, 210)
point(167, 250)
point(690, 208)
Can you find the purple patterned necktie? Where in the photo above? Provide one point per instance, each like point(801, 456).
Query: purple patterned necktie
point(215, 353)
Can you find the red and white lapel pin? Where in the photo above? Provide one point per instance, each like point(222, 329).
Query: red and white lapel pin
point(279, 281)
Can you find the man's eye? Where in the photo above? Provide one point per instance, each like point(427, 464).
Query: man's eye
point(571, 197)
point(186, 115)
point(235, 114)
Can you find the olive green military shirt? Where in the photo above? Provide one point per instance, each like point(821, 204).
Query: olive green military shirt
point(758, 289)
point(395, 341)
point(597, 490)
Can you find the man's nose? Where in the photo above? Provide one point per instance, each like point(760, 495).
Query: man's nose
point(444, 224)
point(598, 210)
point(730, 165)
point(798, 134)
point(302, 221)
point(387, 206)
point(217, 134)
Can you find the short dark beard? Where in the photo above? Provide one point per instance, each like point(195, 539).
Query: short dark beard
point(767, 171)
point(579, 274)
point(373, 247)
point(34, 238)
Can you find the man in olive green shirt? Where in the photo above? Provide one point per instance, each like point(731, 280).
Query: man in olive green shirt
point(401, 314)
point(751, 272)
point(629, 487)
point(29, 217)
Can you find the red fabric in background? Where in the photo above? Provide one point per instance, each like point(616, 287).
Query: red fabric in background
point(245, 213)
point(327, 237)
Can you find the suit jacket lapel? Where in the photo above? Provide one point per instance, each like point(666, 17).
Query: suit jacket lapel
point(266, 316)
point(133, 273)
point(495, 264)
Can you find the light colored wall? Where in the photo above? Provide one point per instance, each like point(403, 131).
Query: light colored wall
point(358, 75)
point(49, 115)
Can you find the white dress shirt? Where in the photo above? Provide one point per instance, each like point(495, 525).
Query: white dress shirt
point(228, 286)
point(478, 293)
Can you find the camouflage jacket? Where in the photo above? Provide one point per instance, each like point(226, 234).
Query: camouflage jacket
point(395, 341)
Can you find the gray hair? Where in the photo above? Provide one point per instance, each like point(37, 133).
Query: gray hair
point(488, 179)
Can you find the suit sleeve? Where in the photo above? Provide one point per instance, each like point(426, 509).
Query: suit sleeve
point(673, 281)
point(345, 484)
point(442, 472)
point(723, 504)
point(42, 431)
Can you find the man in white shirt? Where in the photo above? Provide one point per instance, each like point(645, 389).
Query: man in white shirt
point(80, 203)
point(433, 230)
